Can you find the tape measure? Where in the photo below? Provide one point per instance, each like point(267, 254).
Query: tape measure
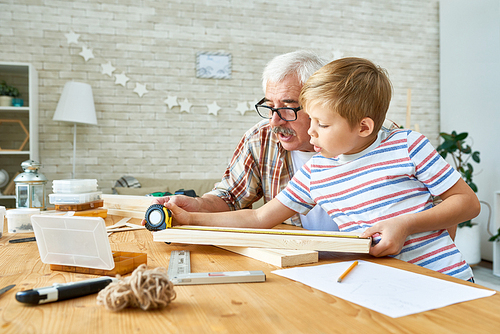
point(158, 218)
point(179, 273)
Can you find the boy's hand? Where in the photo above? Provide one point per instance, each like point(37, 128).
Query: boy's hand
point(393, 234)
point(185, 202)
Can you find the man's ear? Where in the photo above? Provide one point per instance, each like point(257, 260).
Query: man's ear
point(366, 127)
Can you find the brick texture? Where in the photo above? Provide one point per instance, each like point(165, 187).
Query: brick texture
point(155, 43)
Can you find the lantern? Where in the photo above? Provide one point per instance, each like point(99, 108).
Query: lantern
point(30, 186)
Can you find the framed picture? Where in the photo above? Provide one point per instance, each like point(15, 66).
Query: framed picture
point(213, 65)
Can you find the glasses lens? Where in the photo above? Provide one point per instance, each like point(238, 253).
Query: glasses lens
point(264, 112)
point(287, 114)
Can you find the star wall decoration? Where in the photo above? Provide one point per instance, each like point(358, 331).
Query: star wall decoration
point(251, 104)
point(185, 106)
point(213, 108)
point(171, 101)
point(242, 107)
point(86, 53)
point(71, 37)
point(140, 89)
point(121, 79)
point(107, 69)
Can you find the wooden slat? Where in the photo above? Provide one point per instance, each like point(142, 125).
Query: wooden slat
point(281, 241)
point(127, 213)
point(127, 202)
point(276, 257)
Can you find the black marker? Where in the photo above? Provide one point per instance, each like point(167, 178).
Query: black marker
point(63, 291)
point(15, 241)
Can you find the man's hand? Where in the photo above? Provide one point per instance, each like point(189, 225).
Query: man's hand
point(180, 216)
point(181, 201)
point(393, 233)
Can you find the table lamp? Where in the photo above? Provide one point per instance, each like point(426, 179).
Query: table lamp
point(76, 105)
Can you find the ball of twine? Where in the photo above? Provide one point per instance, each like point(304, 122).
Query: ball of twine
point(147, 289)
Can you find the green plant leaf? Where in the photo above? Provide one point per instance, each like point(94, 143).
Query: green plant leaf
point(473, 186)
point(475, 157)
point(446, 137)
point(465, 224)
point(461, 136)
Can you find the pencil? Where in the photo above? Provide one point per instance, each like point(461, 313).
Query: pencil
point(354, 264)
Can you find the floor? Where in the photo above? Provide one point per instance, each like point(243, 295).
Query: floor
point(483, 275)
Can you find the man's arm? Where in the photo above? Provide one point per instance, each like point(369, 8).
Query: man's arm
point(459, 204)
point(267, 216)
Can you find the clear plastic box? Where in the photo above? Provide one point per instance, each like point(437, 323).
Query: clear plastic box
point(74, 198)
point(2, 215)
point(73, 241)
point(74, 186)
point(19, 220)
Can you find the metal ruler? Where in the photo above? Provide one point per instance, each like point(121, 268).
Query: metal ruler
point(179, 273)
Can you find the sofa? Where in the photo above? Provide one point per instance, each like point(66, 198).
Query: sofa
point(151, 185)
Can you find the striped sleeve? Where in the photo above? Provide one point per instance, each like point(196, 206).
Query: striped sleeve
point(296, 196)
point(430, 168)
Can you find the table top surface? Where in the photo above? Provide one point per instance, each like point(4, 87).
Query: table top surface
point(278, 305)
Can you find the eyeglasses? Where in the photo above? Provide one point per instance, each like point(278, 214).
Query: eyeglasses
point(286, 113)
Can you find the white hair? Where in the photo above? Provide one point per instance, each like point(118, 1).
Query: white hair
point(302, 63)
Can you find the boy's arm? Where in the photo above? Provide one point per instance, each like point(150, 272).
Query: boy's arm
point(267, 216)
point(459, 204)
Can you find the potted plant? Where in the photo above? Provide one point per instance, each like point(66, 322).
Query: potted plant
point(454, 145)
point(496, 252)
point(7, 93)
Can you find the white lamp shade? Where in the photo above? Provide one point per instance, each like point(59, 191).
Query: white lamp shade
point(76, 104)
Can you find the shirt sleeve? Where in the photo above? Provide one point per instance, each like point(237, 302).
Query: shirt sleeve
point(430, 168)
point(296, 196)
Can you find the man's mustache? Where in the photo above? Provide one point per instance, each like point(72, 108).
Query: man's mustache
point(284, 131)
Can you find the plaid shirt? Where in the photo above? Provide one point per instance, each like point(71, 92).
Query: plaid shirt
point(260, 167)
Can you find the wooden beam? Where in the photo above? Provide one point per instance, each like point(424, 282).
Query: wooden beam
point(276, 257)
point(127, 202)
point(126, 213)
point(308, 240)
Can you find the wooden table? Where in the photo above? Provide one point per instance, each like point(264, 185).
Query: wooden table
point(278, 305)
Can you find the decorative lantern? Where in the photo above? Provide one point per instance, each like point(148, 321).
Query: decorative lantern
point(30, 186)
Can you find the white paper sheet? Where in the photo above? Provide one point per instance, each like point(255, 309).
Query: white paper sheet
point(390, 291)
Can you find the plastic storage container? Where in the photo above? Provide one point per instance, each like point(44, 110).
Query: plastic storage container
point(74, 198)
point(2, 216)
point(19, 220)
point(77, 186)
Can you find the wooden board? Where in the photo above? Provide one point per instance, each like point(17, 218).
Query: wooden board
point(127, 213)
point(309, 240)
point(127, 202)
point(276, 257)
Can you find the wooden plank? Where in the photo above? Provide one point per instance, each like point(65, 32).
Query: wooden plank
point(127, 202)
point(127, 213)
point(276, 257)
point(308, 241)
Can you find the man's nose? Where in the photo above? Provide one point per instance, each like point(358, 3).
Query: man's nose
point(276, 120)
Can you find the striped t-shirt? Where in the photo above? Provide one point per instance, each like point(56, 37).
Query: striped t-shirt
point(398, 174)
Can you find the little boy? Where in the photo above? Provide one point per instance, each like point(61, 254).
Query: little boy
point(369, 180)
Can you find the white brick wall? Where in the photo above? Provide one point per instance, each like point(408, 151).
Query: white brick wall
point(155, 42)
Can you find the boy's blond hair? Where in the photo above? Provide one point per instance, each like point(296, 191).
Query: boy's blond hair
point(355, 88)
